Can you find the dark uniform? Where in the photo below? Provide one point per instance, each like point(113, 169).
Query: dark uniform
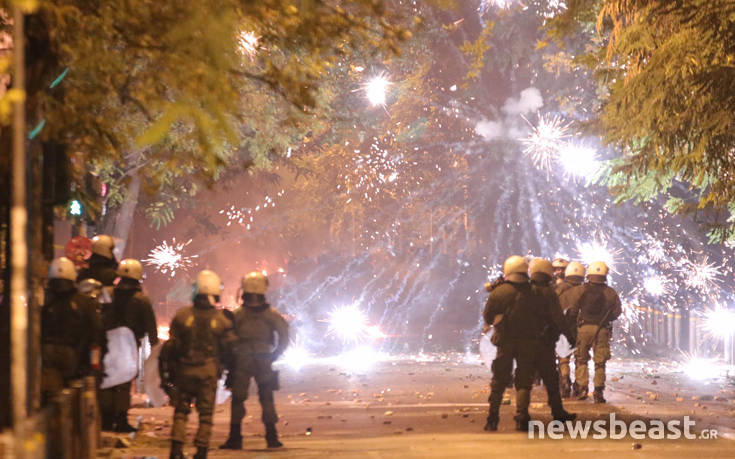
point(516, 337)
point(100, 268)
point(553, 324)
point(564, 360)
point(70, 329)
point(594, 306)
point(201, 340)
point(262, 336)
point(130, 308)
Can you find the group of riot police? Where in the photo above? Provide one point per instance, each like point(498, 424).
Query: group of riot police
point(80, 307)
point(529, 308)
point(204, 341)
point(85, 308)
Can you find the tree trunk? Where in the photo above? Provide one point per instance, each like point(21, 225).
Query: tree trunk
point(119, 220)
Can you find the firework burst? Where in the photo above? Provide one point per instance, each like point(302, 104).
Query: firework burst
point(167, 258)
point(701, 275)
point(546, 140)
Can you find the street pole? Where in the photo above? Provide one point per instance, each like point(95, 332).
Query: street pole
point(19, 262)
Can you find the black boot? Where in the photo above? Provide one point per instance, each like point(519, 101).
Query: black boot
point(564, 416)
point(492, 424)
point(580, 393)
point(177, 450)
point(122, 425)
point(598, 394)
point(522, 421)
point(201, 452)
point(271, 436)
point(234, 440)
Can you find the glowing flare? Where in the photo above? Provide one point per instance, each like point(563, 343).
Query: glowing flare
point(720, 322)
point(375, 90)
point(579, 160)
point(348, 322)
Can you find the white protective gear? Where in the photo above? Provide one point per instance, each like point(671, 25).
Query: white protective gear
point(574, 268)
point(103, 245)
point(130, 268)
point(559, 263)
point(255, 282)
point(62, 268)
point(597, 268)
point(208, 283)
point(540, 265)
point(515, 269)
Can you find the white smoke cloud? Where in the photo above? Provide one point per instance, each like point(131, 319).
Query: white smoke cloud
point(530, 101)
point(512, 127)
point(490, 129)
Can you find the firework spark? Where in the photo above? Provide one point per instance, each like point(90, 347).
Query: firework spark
point(245, 216)
point(249, 43)
point(597, 250)
point(546, 141)
point(167, 258)
point(700, 275)
point(656, 285)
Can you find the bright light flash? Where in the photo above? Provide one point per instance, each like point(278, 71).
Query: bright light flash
point(360, 359)
point(702, 369)
point(348, 322)
point(248, 43)
point(596, 251)
point(720, 322)
point(296, 357)
point(579, 160)
point(375, 90)
point(655, 285)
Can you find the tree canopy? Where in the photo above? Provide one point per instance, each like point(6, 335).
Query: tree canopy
point(667, 76)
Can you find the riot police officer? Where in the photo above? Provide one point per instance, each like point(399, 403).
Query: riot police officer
point(516, 337)
point(130, 308)
point(71, 331)
point(573, 276)
point(262, 336)
point(200, 344)
point(559, 265)
point(553, 322)
point(595, 306)
point(102, 263)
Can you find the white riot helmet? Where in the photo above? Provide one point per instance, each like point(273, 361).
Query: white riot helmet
point(540, 266)
point(207, 283)
point(130, 268)
point(515, 269)
point(575, 268)
point(103, 245)
point(597, 271)
point(62, 268)
point(255, 283)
